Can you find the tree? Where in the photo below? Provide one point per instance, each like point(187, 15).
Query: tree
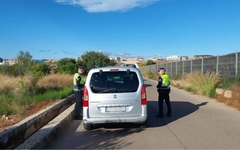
point(112, 62)
point(150, 62)
point(90, 59)
point(24, 62)
point(67, 65)
point(10, 70)
point(40, 69)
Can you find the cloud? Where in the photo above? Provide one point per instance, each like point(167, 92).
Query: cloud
point(123, 54)
point(48, 50)
point(68, 52)
point(126, 55)
point(94, 6)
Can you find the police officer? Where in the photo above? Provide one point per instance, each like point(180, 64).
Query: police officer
point(78, 83)
point(163, 89)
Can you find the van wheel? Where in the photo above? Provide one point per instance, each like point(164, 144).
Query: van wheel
point(87, 126)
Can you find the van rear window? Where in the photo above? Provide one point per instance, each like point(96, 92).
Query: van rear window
point(114, 82)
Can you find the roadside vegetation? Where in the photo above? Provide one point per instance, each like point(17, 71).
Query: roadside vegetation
point(19, 92)
point(205, 84)
point(28, 83)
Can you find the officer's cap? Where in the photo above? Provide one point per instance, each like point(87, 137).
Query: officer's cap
point(81, 68)
point(161, 69)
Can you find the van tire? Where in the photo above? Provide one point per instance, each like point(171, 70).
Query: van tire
point(87, 126)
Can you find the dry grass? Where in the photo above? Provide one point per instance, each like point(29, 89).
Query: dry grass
point(16, 104)
point(147, 73)
point(203, 83)
point(21, 85)
point(234, 101)
point(17, 91)
point(8, 84)
point(14, 85)
point(59, 80)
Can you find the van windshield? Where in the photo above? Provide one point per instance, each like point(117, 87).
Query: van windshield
point(114, 82)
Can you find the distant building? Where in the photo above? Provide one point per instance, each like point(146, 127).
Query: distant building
point(156, 59)
point(177, 58)
point(116, 59)
point(10, 61)
point(51, 61)
point(202, 56)
point(133, 60)
point(184, 58)
point(174, 58)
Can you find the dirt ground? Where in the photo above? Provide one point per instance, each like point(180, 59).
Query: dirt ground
point(8, 121)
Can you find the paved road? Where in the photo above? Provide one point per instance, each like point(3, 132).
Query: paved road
point(197, 122)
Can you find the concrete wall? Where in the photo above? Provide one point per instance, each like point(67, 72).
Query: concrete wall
point(18, 133)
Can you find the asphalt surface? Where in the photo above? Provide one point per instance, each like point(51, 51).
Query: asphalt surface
point(197, 122)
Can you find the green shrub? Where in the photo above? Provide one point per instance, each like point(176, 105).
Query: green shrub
point(6, 110)
point(26, 90)
point(27, 86)
point(190, 89)
point(177, 77)
point(237, 79)
point(150, 75)
point(203, 83)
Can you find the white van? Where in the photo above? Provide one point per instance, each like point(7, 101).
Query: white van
point(114, 95)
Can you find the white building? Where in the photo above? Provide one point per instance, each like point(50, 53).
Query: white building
point(117, 59)
point(156, 59)
point(132, 60)
point(176, 58)
point(173, 57)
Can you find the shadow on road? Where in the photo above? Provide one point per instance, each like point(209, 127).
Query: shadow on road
point(98, 138)
point(114, 136)
point(179, 110)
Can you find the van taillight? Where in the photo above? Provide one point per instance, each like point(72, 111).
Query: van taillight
point(143, 95)
point(85, 97)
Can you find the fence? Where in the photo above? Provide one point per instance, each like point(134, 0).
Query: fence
point(226, 66)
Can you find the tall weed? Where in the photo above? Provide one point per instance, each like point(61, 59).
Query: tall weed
point(203, 83)
point(8, 84)
point(149, 74)
point(235, 100)
point(56, 80)
point(27, 86)
point(18, 92)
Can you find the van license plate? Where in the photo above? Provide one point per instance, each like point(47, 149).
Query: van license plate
point(116, 109)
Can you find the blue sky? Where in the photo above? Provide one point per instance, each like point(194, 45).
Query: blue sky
point(55, 29)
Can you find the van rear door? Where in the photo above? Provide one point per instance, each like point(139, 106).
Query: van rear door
point(114, 94)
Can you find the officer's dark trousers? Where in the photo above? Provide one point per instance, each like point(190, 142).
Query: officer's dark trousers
point(164, 95)
point(78, 105)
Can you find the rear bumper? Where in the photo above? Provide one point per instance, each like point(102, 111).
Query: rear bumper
point(139, 119)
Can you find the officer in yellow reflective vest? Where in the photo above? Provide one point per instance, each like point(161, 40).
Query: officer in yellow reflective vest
point(78, 83)
point(163, 89)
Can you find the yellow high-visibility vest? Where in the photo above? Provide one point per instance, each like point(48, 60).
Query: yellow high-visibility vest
point(165, 80)
point(76, 75)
